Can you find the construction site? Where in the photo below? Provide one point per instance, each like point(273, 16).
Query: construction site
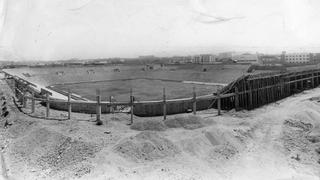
point(259, 126)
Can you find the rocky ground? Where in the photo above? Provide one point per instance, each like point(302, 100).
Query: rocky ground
point(278, 141)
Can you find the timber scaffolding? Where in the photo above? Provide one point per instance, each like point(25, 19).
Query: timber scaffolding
point(247, 92)
point(253, 91)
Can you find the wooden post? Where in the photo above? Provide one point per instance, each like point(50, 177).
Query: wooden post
point(33, 103)
point(250, 96)
point(312, 80)
point(194, 107)
point(69, 105)
point(110, 100)
point(131, 105)
point(164, 104)
point(219, 103)
point(295, 83)
point(236, 99)
point(48, 106)
point(24, 101)
point(98, 108)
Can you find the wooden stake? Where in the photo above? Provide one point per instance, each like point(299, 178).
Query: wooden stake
point(312, 80)
point(131, 104)
point(164, 104)
point(194, 101)
point(33, 103)
point(69, 105)
point(48, 106)
point(219, 103)
point(24, 101)
point(236, 99)
point(98, 108)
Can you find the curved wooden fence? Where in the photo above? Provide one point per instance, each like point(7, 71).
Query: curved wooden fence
point(247, 92)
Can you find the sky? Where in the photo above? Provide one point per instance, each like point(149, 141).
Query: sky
point(65, 29)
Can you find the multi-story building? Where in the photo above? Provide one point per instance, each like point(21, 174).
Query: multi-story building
point(204, 59)
point(226, 56)
point(316, 58)
point(297, 58)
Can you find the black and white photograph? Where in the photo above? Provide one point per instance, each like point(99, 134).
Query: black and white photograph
point(159, 89)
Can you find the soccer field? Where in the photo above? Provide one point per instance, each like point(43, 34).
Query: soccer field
point(117, 81)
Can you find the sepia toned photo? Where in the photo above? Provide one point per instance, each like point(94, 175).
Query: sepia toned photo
point(159, 90)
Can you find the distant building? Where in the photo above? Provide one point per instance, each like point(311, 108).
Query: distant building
point(204, 59)
point(270, 59)
point(245, 58)
point(180, 59)
point(225, 56)
point(316, 58)
point(297, 58)
point(208, 58)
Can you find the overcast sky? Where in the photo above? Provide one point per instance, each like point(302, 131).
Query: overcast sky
point(63, 29)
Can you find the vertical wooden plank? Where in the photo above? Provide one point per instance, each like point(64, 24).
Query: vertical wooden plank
point(250, 95)
point(131, 105)
point(316, 79)
point(194, 107)
point(110, 105)
point(24, 101)
point(236, 99)
point(295, 83)
point(98, 108)
point(219, 103)
point(312, 80)
point(164, 104)
point(48, 106)
point(33, 103)
point(69, 104)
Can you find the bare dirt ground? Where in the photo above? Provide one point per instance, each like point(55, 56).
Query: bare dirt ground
point(278, 141)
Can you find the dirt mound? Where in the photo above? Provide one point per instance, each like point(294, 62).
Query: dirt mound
point(298, 140)
point(152, 125)
point(52, 151)
point(184, 121)
point(146, 146)
point(223, 152)
point(234, 137)
point(298, 125)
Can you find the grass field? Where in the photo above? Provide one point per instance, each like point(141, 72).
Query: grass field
point(80, 80)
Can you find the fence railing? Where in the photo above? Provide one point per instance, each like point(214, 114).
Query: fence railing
point(247, 93)
point(98, 104)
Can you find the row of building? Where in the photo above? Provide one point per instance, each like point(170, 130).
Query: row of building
point(257, 58)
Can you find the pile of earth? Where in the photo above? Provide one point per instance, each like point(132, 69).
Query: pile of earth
point(146, 146)
point(301, 140)
point(51, 152)
point(216, 143)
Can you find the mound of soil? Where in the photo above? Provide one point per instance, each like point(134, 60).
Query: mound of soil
point(187, 122)
point(146, 146)
point(52, 151)
point(298, 125)
point(223, 152)
point(298, 141)
point(152, 125)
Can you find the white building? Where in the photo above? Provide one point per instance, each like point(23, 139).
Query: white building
point(297, 57)
point(204, 59)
